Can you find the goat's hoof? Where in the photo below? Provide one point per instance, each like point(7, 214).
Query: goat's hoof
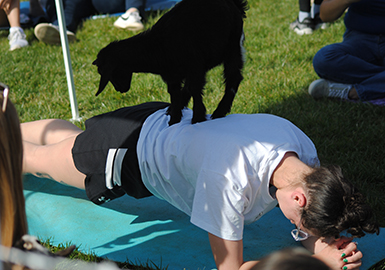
point(216, 115)
point(197, 120)
point(173, 121)
point(174, 117)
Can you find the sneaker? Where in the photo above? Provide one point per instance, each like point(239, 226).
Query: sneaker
point(324, 88)
point(318, 23)
point(17, 39)
point(50, 34)
point(130, 20)
point(304, 27)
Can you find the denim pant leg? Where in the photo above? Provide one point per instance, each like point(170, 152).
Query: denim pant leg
point(358, 60)
point(139, 4)
point(74, 12)
point(117, 6)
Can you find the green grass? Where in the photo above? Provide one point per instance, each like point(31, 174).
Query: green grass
point(92, 258)
point(276, 76)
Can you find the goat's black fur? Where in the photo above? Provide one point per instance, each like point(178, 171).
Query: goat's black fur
point(186, 42)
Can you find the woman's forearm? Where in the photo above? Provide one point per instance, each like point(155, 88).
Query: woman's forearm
point(331, 10)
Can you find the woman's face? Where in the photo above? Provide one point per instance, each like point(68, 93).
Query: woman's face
point(288, 205)
point(291, 201)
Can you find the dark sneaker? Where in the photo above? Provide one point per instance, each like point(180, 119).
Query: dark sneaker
point(302, 28)
point(318, 23)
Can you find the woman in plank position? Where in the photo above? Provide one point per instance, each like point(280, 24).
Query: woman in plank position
point(223, 173)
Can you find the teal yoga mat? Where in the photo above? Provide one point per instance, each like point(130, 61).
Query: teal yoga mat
point(150, 230)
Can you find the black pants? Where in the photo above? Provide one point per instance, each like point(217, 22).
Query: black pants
point(109, 133)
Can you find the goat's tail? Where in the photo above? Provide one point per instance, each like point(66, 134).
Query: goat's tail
point(242, 5)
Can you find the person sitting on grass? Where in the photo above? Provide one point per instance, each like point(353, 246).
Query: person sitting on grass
point(355, 68)
point(223, 173)
point(12, 209)
point(75, 11)
point(10, 14)
point(13, 219)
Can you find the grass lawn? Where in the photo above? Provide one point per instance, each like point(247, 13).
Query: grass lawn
point(276, 76)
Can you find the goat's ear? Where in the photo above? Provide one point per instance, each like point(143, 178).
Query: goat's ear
point(121, 80)
point(102, 84)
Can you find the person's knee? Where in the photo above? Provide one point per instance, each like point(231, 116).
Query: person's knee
point(324, 60)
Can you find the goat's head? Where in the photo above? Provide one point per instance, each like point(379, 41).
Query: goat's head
point(112, 69)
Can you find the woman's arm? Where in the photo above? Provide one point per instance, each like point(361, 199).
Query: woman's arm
point(229, 254)
point(331, 10)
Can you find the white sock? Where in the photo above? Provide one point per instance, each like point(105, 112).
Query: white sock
point(303, 15)
point(314, 10)
point(14, 29)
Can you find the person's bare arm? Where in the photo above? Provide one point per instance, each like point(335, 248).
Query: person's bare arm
point(229, 254)
point(331, 10)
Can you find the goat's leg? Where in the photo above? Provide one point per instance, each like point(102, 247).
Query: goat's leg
point(175, 109)
point(194, 85)
point(233, 77)
point(186, 96)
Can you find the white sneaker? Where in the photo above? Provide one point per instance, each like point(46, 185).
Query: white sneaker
point(302, 28)
point(17, 39)
point(324, 88)
point(130, 20)
point(50, 34)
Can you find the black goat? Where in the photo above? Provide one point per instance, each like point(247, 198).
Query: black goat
point(186, 42)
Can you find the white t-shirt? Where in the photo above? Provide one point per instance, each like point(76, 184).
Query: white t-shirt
point(218, 171)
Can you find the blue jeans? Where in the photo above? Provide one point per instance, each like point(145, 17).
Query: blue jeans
point(358, 60)
point(77, 10)
point(117, 6)
point(74, 12)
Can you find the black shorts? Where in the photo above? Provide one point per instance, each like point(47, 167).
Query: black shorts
point(106, 153)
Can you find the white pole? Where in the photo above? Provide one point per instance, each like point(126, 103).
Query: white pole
point(67, 59)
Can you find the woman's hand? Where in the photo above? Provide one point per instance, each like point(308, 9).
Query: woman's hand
point(340, 254)
point(5, 4)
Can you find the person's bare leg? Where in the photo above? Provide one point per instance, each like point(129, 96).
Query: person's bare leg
point(353, 94)
point(13, 13)
point(48, 131)
point(53, 161)
point(48, 151)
